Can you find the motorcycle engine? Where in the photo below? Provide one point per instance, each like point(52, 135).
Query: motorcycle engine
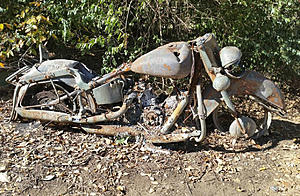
point(151, 109)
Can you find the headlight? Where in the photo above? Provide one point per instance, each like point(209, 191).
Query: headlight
point(235, 70)
point(221, 82)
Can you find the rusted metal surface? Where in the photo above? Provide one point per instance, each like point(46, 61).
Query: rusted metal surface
point(201, 113)
point(175, 115)
point(246, 125)
point(47, 115)
point(13, 78)
point(221, 82)
point(59, 69)
point(230, 55)
point(252, 83)
point(172, 138)
point(108, 93)
point(120, 70)
point(210, 43)
point(110, 115)
point(44, 115)
point(62, 69)
point(173, 60)
point(208, 66)
point(262, 127)
point(208, 49)
point(113, 130)
point(256, 84)
point(13, 115)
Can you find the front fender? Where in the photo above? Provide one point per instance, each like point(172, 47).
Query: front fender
point(252, 83)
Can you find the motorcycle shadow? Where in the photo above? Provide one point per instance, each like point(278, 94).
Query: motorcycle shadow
point(281, 130)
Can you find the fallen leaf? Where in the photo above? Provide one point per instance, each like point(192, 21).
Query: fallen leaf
point(239, 189)
point(151, 190)
point(151, 178)
point(121, 188)
point(22, 144)
point(48, 178)
point(262, 169)
point(2, 168)
point(4, 177)
point(144, 174)
point(1, 27)
point(189, 168)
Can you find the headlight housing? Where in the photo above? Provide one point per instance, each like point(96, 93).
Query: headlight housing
point(230, 57)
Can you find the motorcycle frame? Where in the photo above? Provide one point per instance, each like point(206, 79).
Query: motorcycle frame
point(251, 83)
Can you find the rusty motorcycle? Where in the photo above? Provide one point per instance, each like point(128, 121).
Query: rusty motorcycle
point(66, 91)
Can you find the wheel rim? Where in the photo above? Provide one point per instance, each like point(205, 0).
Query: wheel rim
point(263, 118)
point(40, 95)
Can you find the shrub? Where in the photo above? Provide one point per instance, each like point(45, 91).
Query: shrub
point(266, 31)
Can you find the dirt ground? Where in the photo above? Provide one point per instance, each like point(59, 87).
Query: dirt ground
point(39, 159)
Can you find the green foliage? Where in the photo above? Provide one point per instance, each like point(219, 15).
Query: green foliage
point(22, 24)
point(266, 31)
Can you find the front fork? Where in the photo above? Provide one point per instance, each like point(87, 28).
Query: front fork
point(231, 107)
point(220, 83)
point(201, 113)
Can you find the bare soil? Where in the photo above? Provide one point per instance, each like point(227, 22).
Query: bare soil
point(40, 159)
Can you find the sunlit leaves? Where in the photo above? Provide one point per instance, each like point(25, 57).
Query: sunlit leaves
point(266, 31)
point(23, 25)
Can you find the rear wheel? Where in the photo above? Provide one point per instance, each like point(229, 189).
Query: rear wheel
point(49, 97)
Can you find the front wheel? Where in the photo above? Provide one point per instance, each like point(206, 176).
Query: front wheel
point(249, 111)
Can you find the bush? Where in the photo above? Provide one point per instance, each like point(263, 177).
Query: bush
point(122, 30)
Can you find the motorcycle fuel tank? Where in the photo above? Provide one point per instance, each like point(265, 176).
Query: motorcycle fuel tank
point(173, 60)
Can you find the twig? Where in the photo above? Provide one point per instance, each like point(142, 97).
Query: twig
point(43, 126)
point(126, 21)
point(203, 174)
point(24, 55)
point(186, 26)
point(85, 162)
point(154, 149)
point(160, 28)
point(143, 127)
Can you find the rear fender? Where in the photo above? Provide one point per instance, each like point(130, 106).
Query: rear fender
point(252, 83)
point(72, 73)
